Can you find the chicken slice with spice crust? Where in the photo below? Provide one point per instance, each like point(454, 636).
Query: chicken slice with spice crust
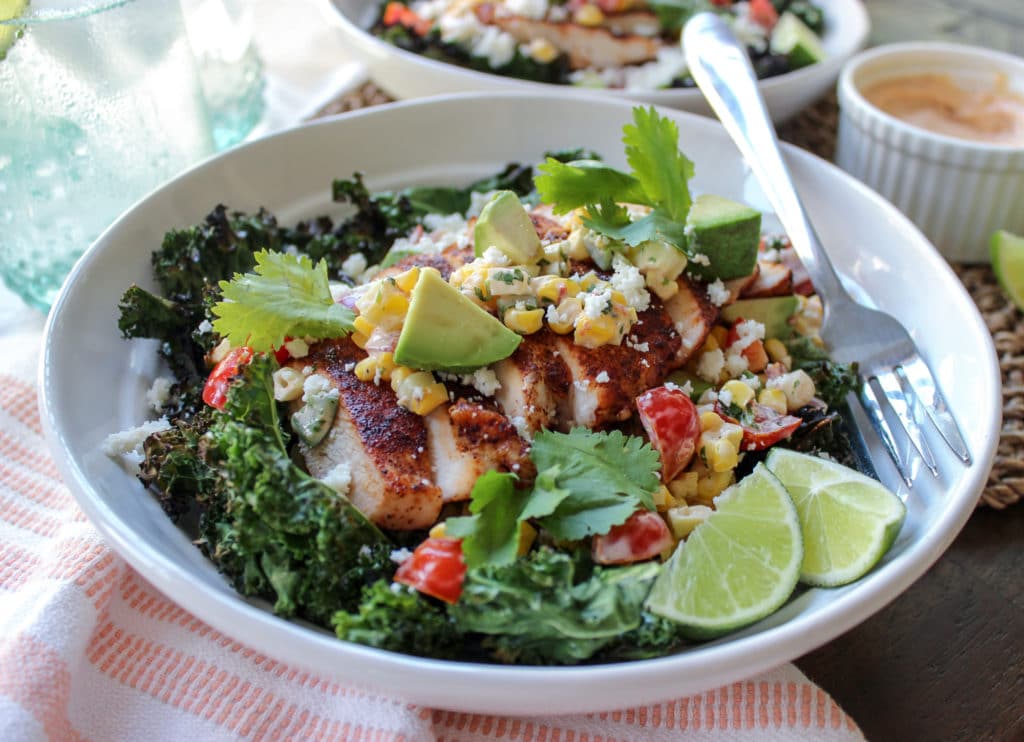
point(383, 445)
point(606, 380)
point(693, 316)
point(534, 383)
point(467, 439)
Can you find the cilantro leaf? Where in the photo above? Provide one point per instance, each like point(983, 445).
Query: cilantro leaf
point(608, 475)
point(654, 226)
point(491, 535)
point(652, 150)
point(286, 296)
point(567, 186)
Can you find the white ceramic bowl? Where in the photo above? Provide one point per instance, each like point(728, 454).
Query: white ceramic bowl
point(94, 383)
point(403, 74)
point(956, 190)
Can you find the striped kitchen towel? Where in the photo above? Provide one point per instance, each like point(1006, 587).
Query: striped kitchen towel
point(90, 650)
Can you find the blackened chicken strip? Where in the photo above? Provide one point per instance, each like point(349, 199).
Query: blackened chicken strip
point(535, 382)
point(693, 316)
point(468, 439)
point(384, 445)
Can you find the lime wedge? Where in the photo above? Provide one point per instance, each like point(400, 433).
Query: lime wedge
point(9, 9)
point(848, 520)
point(738, 566)
point(1007, 251)
point(795, 40)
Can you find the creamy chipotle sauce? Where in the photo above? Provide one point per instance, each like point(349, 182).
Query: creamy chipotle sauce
point(936, 103)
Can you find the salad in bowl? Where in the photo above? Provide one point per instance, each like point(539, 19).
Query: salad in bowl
point(565, 414)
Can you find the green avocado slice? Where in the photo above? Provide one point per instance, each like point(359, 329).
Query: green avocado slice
point(725, 232)
point(444, 330)
point(504, 224)
point(771, 311)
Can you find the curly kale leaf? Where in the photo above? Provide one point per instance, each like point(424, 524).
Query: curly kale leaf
point(832, 380)
point(174, 467)
point(394, 617)
point(380, 219)
point(654, 637)
point(552, 608)
point(273, 529)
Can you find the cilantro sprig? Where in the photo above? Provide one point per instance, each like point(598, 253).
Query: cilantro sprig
point(588, 482)
point(285, 296)
point(659, 179)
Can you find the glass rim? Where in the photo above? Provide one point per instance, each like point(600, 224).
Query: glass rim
point(52, 11)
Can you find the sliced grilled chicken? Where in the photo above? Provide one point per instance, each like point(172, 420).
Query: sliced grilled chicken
point(383, 444)
point(640, 23)
point(773, 279)
point(693, 316)
point(468, 439)
point(534, 382)
point(738, 286)
point(607, 380)
point(585, 46)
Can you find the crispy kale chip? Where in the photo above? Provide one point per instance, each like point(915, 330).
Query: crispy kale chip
point(273, 529)
point(394, 617)
point(832, 380)
point(551, 607)
point(654, 637)
point(174, 467)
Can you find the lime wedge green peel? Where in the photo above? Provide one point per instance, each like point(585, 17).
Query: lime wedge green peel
point(1007, 251)
point(9, 9)
point(738, 566)
point(848, 520)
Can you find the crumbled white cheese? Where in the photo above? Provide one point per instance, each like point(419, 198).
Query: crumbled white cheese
point(710, 365)
point(747, 30)
point(485, 381)
point(339, 478)
point(159, 392)
point(643, 347)
point(297, 348)
point(628, 281)
point(204, 327)
point(735, 364)
point(668, 65)
point(355, 264)
point(725, 397)
point(477, 201)
point(700, 259)
point(718, 294)
point(318, 385)
point(597, 303)
point(748, 331)
point(535, 9)
point(686, 388)
point(400, 555)
point(497, 46)
point(126, 445)
point(602, 378)
point(451, 224)
point(493, 256)
point(519, 423)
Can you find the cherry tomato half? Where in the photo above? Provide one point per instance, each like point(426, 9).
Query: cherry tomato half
point(763, 427)
point(436, 568)
point(215, 392)
point(673, 426)
point(643, 536)
point(764, 13)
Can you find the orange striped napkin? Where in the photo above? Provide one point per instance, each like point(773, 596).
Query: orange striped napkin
point(90, 650)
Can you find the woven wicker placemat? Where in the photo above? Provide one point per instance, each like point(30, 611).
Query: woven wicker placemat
point(815, 130)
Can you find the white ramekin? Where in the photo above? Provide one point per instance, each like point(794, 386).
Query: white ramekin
point(956, 191)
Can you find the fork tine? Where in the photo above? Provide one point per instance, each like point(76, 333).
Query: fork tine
point(901, 455)
point(917, 373)
point(907, 407)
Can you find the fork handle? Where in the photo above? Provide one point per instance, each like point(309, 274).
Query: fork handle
point(722, 70)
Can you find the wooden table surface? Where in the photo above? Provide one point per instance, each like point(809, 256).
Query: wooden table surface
point(945, 660)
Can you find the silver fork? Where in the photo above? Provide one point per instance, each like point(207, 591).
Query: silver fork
point(891, 367)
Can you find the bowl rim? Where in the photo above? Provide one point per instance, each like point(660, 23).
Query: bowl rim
point(944, 52)
point(242, 621)
point(857, 40)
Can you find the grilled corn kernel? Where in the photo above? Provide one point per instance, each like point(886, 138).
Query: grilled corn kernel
point(740, 392)
point(663, 499)
point(593, 332)
point(712, 484)
point(527, 535)
point(777, 352)
point(359, 339)
point(684, 487)
point(524, 321)
point(619, 298)
point(562, 319)
point(683, 519)
point(394, 307)
point(710, 343)
point(438, 531)
point(710, 421)
point(398, 375)
point(366, 369)
point(216, 355)
point(773, 399)
point(588, 281)
point(407, 280)
point(720, 334)
point(288, 384)
point(588, 15)
point(721, 454)
point(421, 394)
point(363, 325)
point(797, 386)
point(551, 289)
point(542, 50)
